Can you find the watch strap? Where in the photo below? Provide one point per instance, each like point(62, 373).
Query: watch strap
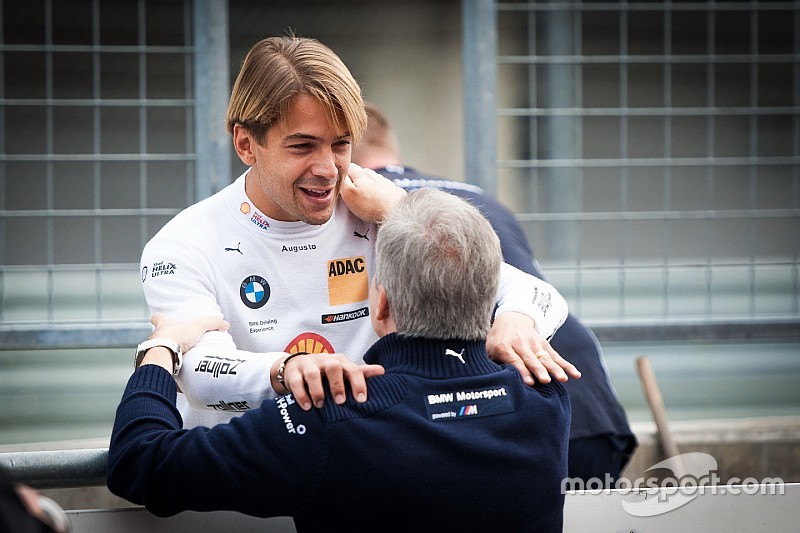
point(171, 345)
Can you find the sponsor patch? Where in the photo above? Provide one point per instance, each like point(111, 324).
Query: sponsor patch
point(468, 403)
point(344, 317)
point(238, 248)
point(217, 366)
point(234, 407)
point(256, 218)
point(348, 280)
point(258, 326)
point(283, 404)
point(364, 235)
point(543, 300)
point(254, 292)
point(161, 268)
point(309, 342)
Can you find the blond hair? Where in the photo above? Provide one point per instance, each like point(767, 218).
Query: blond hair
point(277, 69)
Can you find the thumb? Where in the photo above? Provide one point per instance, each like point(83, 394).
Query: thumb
point(158, 319)
point(372, 370)
point(354, 172)
point(213, 323)
point(348, 190)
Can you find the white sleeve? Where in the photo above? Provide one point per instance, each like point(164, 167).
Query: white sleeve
point(178, 281)
point(523, 293)
point(215, 373)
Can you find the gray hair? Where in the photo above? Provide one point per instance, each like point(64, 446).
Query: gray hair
point(439, 261)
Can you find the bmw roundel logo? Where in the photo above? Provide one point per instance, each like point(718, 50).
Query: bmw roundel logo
point(254, 292)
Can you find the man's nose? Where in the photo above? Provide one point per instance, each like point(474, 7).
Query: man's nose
point(325, 165)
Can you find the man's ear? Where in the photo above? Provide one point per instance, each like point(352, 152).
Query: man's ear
point(243, 143)
point(382, 312)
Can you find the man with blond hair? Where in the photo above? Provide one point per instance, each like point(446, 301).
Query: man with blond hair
point(285, 253)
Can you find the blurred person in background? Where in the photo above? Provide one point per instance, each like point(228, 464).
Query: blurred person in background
point(24, 510)
point(601, 441)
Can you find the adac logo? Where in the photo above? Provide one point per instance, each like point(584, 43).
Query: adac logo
point(347, 280)
point(254, 292)
point(309, 342)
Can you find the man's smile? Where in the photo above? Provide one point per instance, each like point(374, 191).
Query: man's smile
point(316, 193)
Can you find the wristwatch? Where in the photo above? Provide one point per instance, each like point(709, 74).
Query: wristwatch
point(169, 344)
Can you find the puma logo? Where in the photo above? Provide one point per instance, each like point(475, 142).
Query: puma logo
point(235, 249)
point(456, 354)
point(357, 234)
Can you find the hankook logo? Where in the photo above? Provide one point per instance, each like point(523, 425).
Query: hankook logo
point(344, 317)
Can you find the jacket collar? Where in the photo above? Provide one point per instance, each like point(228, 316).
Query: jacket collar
point(432, 358)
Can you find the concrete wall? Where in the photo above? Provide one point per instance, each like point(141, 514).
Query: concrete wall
point(758, 448)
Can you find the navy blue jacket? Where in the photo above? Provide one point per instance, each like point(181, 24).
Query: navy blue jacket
point(447, 441)
point(596, 410)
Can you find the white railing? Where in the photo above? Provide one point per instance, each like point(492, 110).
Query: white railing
point(753, 506)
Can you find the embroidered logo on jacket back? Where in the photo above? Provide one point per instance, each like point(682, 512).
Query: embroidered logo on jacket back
point(468, 403)
point(457, 355)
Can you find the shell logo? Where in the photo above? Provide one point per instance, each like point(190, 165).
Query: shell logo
point(310, 343)
point(244, 208)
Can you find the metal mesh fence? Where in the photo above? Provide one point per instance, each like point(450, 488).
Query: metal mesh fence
point(653, 151)
point(97, 152)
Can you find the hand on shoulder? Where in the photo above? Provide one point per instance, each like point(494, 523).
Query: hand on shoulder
point(303, 377)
